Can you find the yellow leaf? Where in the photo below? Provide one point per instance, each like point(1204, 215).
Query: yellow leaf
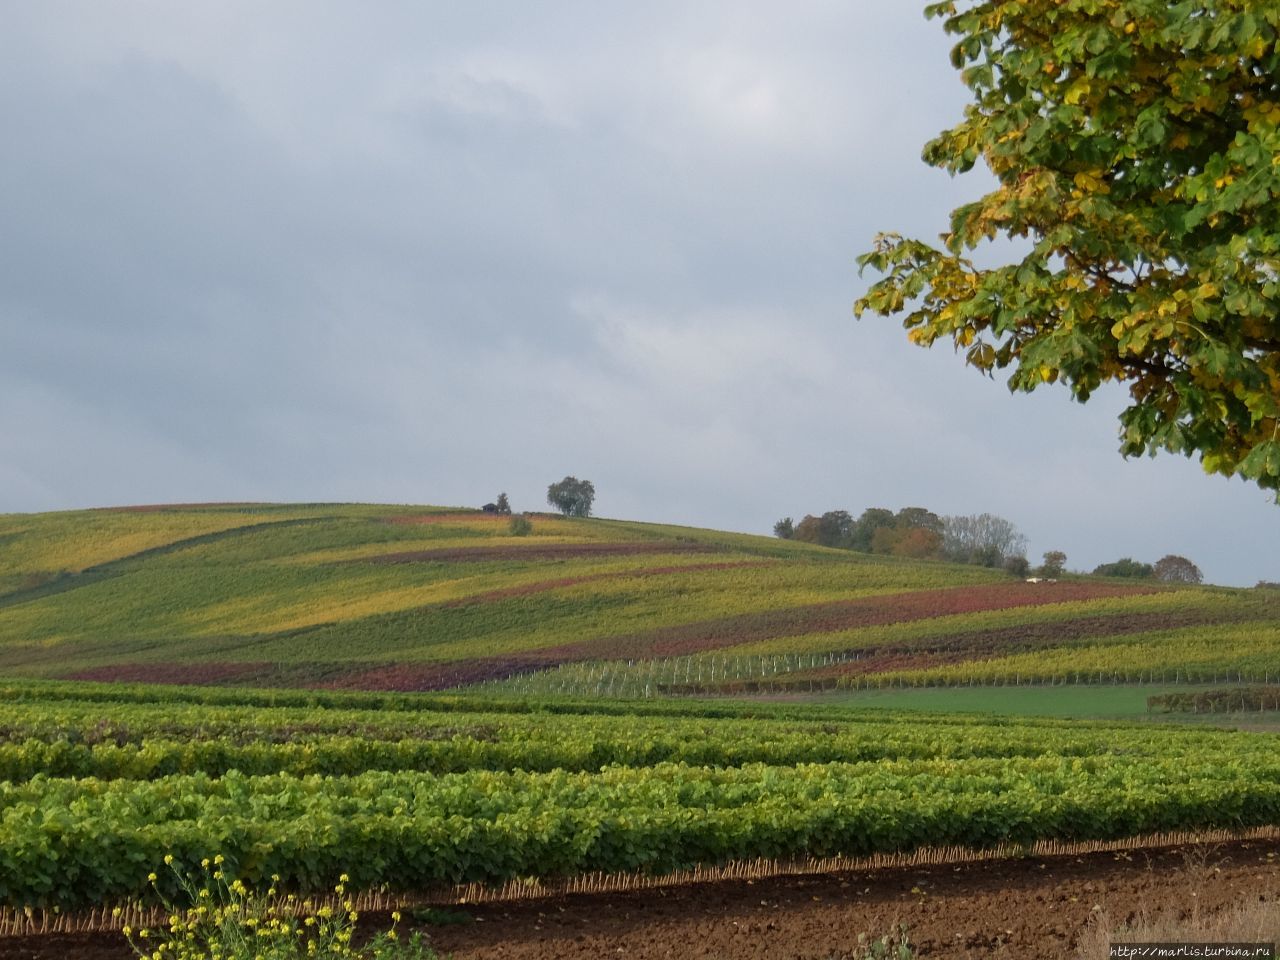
point(1079, 90)
point(1091, 182)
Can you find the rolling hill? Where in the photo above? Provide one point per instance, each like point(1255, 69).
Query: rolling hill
point(424, 598)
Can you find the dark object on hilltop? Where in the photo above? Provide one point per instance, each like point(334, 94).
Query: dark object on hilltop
point(503, 506)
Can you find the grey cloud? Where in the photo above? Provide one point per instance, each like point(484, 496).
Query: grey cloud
point(424, 253)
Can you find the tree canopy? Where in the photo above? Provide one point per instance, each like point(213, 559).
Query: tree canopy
point(1136, 145)
point(1055, 564)
point(981, 538)
point(572, 497)
point(1176, 569)
point(1124, 567)
point(911, 532)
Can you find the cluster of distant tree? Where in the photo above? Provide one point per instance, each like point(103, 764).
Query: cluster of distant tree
point(983, 539)
point(1170, 568)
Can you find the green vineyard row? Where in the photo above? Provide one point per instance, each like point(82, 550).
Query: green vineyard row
point(74, 843)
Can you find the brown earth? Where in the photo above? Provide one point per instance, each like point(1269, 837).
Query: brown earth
point(1028, 909)
point(416, 677)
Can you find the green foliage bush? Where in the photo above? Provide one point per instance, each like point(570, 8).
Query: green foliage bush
point(1125, 567)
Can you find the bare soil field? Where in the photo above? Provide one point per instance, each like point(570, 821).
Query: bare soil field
point(1028, 909)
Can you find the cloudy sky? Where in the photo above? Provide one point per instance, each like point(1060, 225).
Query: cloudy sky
point(424, 252)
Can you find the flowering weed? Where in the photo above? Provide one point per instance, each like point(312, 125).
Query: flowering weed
point(227, 920)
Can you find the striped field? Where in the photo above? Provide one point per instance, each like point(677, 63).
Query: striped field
point(421, 598)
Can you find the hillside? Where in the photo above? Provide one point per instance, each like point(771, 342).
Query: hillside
point(423, 598)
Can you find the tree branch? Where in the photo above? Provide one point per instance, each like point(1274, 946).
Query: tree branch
point(1261, 343)
point(1147, 366)
point(1099, 274)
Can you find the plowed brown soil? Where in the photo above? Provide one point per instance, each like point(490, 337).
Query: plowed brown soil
point(1032, 909)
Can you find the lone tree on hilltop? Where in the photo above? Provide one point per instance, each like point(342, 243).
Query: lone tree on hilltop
point(1134, 146)
point(572, 497)
point(784, 529)
point(1175, 569)
point(503, 505)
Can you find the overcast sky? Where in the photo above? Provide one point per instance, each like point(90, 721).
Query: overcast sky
point(424, 252)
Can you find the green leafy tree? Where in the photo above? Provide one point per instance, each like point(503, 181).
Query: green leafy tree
point(784, 529)
point(831, 529)
point(1055, 561)
point(918, 518)
point(1135, 146)
point(503, 505)
point(1124, 567)
point(1017, 565)
point(807, 530)
point(834, 528)
point(865, 527)
point(572, 497)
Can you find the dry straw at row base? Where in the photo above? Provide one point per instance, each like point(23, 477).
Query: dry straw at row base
point(28, 921)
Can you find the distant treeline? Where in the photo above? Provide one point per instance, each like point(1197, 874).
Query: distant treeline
point(983, 539)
